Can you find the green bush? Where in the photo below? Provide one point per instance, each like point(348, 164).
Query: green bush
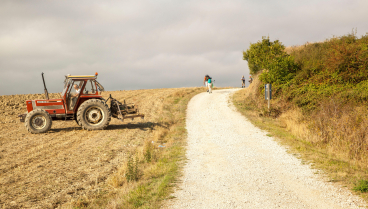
point(260, 54)
point(313, 72)
point(280, 71)
point(362, 186)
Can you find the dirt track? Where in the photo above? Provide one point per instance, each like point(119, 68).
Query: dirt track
point(47, 170)
point(232, 164)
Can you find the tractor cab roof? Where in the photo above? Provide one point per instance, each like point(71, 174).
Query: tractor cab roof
point(69, 79)
point(91, 77)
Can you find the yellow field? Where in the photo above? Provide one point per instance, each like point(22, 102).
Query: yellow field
point(70, 167)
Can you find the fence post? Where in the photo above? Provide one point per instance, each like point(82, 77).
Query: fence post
point(268, 95)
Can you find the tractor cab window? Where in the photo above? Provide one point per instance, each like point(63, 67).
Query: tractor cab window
point(90, 87)
point(99, 86)
point(66, 84)
point(73, 93)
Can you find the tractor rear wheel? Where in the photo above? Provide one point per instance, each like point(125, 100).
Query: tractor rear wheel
point(38, 121)
point(94, 114)
point(76, 120)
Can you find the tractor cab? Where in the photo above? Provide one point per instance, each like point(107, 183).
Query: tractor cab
point(78, 89)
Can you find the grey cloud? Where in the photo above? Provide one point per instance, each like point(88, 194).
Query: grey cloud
point(154, 44)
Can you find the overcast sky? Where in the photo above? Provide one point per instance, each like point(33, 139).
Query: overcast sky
point(155, 44)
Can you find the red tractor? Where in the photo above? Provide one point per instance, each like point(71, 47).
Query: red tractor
point(81, 101)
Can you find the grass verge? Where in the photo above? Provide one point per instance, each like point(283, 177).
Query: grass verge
point(336, 166)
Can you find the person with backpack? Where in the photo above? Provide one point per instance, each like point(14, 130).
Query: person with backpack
point(243, 82)
point(250, 79)
point(210, 83)
point(205, 81)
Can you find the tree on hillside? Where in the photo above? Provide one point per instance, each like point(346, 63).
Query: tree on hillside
point(265, 54)
point(260, 54)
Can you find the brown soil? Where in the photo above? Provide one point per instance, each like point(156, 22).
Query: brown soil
point(66, 163)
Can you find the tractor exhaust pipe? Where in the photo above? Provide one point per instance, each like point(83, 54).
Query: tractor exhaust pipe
point(46, 92)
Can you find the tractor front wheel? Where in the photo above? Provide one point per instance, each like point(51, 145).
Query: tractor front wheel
point(94, 114)
point(38, 121)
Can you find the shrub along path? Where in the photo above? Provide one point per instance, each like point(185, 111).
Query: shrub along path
point(233, 164)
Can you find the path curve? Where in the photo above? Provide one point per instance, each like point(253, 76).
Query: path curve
point(233, 164)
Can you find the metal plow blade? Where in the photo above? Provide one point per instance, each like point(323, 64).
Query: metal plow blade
point(124, 111)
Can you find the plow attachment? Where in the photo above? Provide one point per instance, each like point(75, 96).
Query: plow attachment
point(124, 111)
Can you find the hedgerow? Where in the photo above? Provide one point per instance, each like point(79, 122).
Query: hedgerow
point(337, 67)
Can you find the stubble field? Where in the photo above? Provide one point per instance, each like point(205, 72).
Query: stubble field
point(67, 164)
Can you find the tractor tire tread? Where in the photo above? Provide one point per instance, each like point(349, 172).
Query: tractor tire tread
point(83, 107)
point(35, 112)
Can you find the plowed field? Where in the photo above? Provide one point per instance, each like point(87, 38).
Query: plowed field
point(66, 163)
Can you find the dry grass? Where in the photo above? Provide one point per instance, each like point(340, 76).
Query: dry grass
point(333, 138)
point(291, 49)
point(340, 129)
point(73, 168)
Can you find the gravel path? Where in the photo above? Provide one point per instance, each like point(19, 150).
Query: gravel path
point(233, 164)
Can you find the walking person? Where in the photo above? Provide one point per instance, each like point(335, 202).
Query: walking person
point(250, 79)
point(205, 81)
point(209, 84)
point(243, 82)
